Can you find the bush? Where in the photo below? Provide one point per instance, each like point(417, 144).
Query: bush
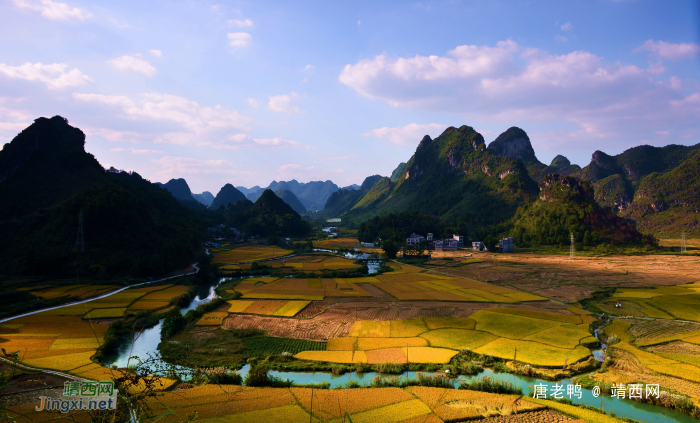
point(257, 374)
point(487, 384)
point(172, 323)
point(225, 378)
point(389, 368)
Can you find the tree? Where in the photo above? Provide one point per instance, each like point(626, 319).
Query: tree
point(390, 248)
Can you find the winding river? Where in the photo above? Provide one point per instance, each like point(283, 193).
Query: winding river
point(150, 338)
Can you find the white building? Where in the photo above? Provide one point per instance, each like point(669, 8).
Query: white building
point(459, 239)
point(506, 245)
point(414, 239)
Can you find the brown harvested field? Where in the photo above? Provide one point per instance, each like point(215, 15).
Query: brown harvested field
point(312, 310)
point(648, 330)
point(561, 278)
point(290, 328)
point(676, 347)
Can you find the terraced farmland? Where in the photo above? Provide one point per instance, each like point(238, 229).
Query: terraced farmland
point(547, 340)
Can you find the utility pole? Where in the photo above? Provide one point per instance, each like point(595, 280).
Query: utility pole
point(80, 239)
point(571, 251)
point(683, 249)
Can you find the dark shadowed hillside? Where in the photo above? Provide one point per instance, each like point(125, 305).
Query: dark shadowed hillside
point(291, 199)
point(227, 195)
point(131, 226)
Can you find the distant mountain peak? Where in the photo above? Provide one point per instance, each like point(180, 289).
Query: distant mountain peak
point(179, 189)
point(515, 144)
point(560, 161)
point(227, 194)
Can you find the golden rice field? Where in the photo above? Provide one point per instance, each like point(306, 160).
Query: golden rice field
point(214, 318)
point(280, 308)
point(533, 337)
point(336, 243)
point(386, 405)
point(133, 300)
point(56, 342)
point(81, 291)
point(683, 366)
point(250, 253)
point(408, 286)
point(665, 302)
point(227, 403)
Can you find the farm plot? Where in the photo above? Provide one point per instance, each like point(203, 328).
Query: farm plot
point(267, 307)
point(81, 291)
point(540, 338)
point(251, 253)
point(336, 243)
point(401, 286)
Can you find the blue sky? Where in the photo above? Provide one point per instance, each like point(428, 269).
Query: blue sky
point(250, 92)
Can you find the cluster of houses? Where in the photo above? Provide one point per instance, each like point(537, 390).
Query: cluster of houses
point(447, 244)
point(457, 241)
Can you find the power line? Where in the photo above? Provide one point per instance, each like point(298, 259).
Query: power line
point(683, 249)
point(80, 239)
point(571, 251)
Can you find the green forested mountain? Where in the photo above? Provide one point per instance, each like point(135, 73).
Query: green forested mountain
point(616, 179)
point(397, 172)
point(566, 205)
point(344, 199)
point(454, 177)
point(666, 204)
point(131, 226)
point(292, 200)
point(227, 195)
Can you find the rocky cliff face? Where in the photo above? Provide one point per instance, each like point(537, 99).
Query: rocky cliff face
point(557, 187)
point(515, 144)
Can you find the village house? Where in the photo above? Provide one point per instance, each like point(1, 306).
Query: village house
point(414, 239)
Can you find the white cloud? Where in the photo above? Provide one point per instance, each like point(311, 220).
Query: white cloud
point(567, 26)
point(189, 115)
point(600, 101)
point(247, 23)
point(133, 64)
point(670, 51)
point(308, 68)
point(55, 75)
point(179, 166)
point(54, 10)
point(239, 39)
point(561, 39)
point(410, 134)
point(246, 142)
point(156, 53)
point(254, 103)
point(283, 103)
point(135, 151)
